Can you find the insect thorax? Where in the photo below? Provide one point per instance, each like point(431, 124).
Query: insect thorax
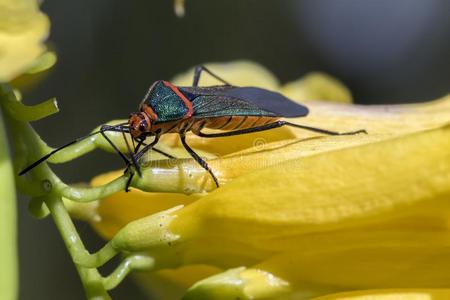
point(163, 100)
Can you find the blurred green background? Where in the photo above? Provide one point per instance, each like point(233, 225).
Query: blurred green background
point(110, 51)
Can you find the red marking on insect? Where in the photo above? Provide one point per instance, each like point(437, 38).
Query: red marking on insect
point(150, 112)
point(182, 97)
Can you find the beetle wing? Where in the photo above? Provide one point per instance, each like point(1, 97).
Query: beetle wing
point(243, 99)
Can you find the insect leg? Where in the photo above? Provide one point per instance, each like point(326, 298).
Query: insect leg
point(102, 131)
point(164, 153)
point(240, 131)
point(324, 131)
point(141, 142)
point(132, 157)
point(272, 126)
point(198, 72)
point(198, 158)
point(137, 156)
point(147, 148)
point(127, 186)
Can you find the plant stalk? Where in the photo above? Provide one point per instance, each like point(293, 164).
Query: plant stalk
point(8, 221)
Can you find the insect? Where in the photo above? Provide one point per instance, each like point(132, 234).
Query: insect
point(167, 108)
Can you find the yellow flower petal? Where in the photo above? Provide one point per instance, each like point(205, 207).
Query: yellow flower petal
point(240, 73)
point(396, 294)
point(255, 216)
point(317, 86)
point(322, 213)
point(364, 267)
point(23, 28)
point(326, 191)
point(359, 159)
point(36, 72)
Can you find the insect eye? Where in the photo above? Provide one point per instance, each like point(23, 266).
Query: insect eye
point(142, 127)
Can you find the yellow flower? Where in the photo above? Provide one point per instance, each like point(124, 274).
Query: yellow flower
point(23, 28)
point(392, 294)
point(298, 214)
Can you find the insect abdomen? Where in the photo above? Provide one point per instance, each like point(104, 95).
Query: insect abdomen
point(237, 122)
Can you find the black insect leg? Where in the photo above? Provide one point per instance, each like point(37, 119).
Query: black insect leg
point(164, 153)
point(147, 148)
point(272, 126)
point(141, 142)
point(132, 157)
point(198, 72)
point(102, 131)
point(137, 156)
point(198, 158)
point(127, 186)
point(324, 131)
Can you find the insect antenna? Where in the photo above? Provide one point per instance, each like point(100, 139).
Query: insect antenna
point(118, 127)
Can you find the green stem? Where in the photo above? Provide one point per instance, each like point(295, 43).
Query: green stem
point(23, 112)
point(8, 222)
point(29, 146)
point(93, 193)
point(37, 207)
point(47, 191)
point(131, 263)
point(91, 279)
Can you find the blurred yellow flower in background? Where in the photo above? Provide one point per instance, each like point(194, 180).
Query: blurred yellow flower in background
point(23, 30)
point(298, 214)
